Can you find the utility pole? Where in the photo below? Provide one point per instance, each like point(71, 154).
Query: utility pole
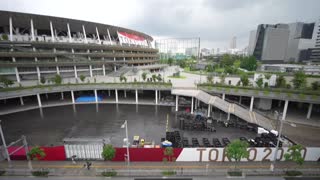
point(278, 142)
point(5, 146)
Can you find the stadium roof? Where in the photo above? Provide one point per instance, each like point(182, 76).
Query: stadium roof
point(42, 22)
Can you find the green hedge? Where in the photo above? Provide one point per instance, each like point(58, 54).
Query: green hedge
point(110, 173)
point(274, 90)
point(40, 173)
point(82, 84)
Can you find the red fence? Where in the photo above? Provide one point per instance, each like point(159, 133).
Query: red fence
point(57, 153)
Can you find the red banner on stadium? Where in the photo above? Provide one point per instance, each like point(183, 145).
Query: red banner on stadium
point(127, 38)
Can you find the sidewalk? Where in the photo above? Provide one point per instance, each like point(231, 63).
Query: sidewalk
point(66, 168)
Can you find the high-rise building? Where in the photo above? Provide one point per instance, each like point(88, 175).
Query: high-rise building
point(252, 42)
point(271, 43)
point(233, 43)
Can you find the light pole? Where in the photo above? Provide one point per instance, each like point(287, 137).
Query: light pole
point(125, 125)
point(5, 146)
point(278, 141)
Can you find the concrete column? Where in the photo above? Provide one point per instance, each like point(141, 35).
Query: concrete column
point(38, 73)
point(159, 95)
point(39, 100)
point(90, 69)
point(104, 70)
point(109, 93)
point(251, 103)
point(17, 74)
point(284, 113)
point(136, 96)
point(96, 95)
point(21, 101)
point(52, 32)
point(209, 108)
point(196, 104)
point(84, 34)
point(309, 111)
point(223, 96)
point(177, 101)
point(32, 30)
point(72, 97)
point(75, 72)
point(62, 96)
point(58, 70)
point(116, 92)
point(69, 32)
point(228, 118)
point(156, 96)
point(125, 94)
point(10, 29)
point(115, 68)
point(99, 41)
point(192, 105)
point(240, 99)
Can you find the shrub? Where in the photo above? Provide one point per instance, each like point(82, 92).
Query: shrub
point(234, 173)
point(108, 152)
point(5, 37)
point(82, 78)
point(293, 173)
point(42, 80)
point(57, 79)
point(2, 172)
point(169, 173)
point(110, 173)
point(42, 172)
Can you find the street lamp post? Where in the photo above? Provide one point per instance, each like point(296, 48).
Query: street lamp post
point(278, 142)
point(5, 146)
point(125, 125)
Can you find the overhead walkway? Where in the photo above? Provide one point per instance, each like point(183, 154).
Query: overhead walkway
point(227, 107)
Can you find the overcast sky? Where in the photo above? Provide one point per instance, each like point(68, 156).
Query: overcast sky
point(214, 21)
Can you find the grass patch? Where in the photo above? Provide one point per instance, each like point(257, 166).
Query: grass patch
point(109, 173)
point(177, 77)
point(169, 173)
point(2, 172)
point(293, 173)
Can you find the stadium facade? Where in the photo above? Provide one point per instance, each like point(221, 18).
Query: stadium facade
point(35, 46)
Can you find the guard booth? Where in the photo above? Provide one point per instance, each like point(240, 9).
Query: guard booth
point(84, 148)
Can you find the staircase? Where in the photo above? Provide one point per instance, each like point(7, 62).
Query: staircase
point(227, 107)
point(123, 70)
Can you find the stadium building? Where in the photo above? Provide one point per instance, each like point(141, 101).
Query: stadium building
point(35, 46)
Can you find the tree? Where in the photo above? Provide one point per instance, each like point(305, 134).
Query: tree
point(42, 80)
point(170, 61)
point(249, 63)
point(154, 77)
point(82, 78)
point(315, 85)
point(144, 76)
point(226, 60)
point(222, 78)
point(209, 68)
point(237, 63)
point(281, 82)
point(267, 76)
point(5, 37)
point(259, 82)
point(36, 153)
point(123, 78)
point(244, 79)
point(159, 78)
point(210, 78)
point(237, 150)
point(108, 152)
point(168, 151)
point(294, 154)
point(57, 79)
point(299, 80)
point(6, 82)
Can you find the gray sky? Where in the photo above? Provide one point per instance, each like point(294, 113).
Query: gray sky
point(214, 21)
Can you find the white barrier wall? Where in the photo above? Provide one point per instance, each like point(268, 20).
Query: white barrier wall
point(255, 154)
point(84, 151)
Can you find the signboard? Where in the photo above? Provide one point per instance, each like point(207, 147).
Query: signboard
point(255, 154)
point(126, 38)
